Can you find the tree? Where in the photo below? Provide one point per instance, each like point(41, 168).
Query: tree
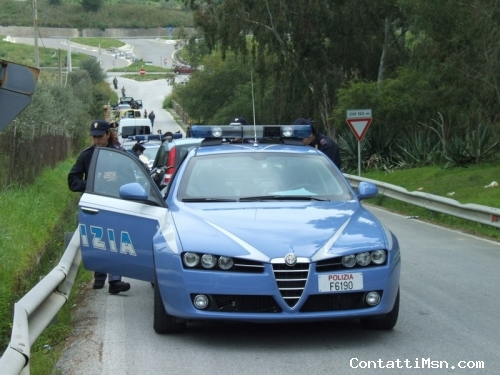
point(306, 48)
point(94, 69)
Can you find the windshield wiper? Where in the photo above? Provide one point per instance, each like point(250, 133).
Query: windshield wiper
point(208, 200)
point(283, 198)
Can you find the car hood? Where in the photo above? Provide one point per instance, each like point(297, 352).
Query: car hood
point(266, 230)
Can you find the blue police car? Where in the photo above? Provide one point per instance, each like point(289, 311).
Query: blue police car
point(254, 227)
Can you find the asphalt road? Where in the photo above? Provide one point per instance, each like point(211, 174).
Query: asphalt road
point(449, 307)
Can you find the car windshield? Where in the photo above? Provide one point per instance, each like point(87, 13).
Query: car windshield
point(261, 177)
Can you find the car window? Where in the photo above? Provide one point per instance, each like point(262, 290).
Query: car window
point(264, 174)
point(113, 169)
point(134, 130)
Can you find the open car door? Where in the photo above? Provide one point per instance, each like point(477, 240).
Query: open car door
point(120, 214)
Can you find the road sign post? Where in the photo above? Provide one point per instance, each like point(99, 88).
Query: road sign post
point(359, 121)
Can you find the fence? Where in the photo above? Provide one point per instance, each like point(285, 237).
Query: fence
point(25, 151)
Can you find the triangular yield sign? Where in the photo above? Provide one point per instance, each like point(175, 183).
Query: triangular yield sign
point(359, 126)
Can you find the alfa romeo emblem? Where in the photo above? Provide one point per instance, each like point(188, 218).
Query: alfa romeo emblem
point(290, 259)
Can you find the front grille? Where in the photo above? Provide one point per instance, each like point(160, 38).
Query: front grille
point(335, 302)
point(291, 281)
point(243, 304)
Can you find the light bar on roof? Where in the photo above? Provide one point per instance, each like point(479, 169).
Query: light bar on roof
point(145, 137)
point(216, 131)
point(250, 131)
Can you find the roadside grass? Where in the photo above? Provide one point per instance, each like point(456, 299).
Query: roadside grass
point(465, 185)
point(25, 54)
point(146, 77)
point(32, 226)
point(105, 43)
point(135, 67)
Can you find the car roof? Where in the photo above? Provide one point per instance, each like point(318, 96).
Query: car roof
point(248, 147)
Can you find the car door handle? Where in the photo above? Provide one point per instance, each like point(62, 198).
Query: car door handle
point(90, 210)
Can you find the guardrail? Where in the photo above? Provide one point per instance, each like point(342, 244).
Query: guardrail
point(472, 212)
point(34, 312)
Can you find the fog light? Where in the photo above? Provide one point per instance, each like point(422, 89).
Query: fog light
point(349, 261)
point(379, 256)
point(208, 261)
point(363, 259)
point(191, 259)
point(200, 301)
point(225, 263)
point(372, 298)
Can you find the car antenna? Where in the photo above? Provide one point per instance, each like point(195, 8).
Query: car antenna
point(253, 106)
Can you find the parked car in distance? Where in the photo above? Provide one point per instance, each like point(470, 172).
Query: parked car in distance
point(121, 107)
point(133, 126)
point(183, 69)
point(129, 113)
point(128, 100)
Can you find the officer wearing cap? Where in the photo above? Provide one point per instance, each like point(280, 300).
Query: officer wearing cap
point(77, 181)
point(238, 120)
point(322, 142)
point(113, 136)
point(77, 177)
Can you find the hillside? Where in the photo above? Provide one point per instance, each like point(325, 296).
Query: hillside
point(110, 15)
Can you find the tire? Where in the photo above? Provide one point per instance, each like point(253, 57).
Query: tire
point(385, 322)
point(163, 322)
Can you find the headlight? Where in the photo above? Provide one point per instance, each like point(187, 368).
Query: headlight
point(208, 261)
point(363, 259)
point(191, 259)
point(349, 261)
point(379, 256)
point(225, 263)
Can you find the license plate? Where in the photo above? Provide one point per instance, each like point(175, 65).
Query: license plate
point(340, 282)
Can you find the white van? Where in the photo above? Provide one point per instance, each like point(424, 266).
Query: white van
point(133, 126)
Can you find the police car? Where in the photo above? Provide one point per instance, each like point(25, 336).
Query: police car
point(254, 227)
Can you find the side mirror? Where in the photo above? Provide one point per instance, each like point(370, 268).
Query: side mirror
point(133, 191)
point(367, 190)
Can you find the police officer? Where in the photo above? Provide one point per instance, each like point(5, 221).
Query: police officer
point(77, 181)
point(322, 142)
point(113, 136)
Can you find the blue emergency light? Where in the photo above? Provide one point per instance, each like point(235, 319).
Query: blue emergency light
point(251, 132)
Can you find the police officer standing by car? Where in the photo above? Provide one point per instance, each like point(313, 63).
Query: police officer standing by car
point(77, 182)
point(321, 141)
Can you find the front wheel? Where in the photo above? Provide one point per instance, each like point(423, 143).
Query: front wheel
point(387, 321)
point(162, 321)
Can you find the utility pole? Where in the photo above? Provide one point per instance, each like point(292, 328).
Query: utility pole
point(68, 68)
point(35, 27)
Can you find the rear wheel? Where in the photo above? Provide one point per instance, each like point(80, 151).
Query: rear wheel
point(387, 321)
point(162, 321)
